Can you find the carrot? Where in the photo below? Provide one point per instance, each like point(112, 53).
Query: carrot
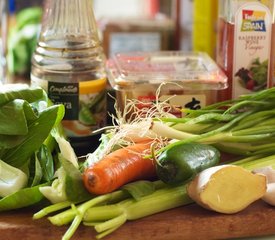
point(118, 168)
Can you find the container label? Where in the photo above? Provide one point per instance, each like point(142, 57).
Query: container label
point(177, 102)
point(194, 102)
point(140, 41)
point(252, 47)
point(85, 104)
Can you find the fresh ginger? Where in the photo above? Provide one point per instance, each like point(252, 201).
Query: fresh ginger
point(227, 188)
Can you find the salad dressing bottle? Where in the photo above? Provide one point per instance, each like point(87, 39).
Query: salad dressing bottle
point(69, 64)
point(245, 45)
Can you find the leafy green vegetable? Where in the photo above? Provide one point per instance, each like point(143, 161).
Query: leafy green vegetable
point(46, 161)
point(68, 184)
point(38, 132)
point(36, 172)
point(9, 92)
point(11, 179)
point(22, 198)
point(28, 121)
point(74, 188)
point(9, 141)
point(20, 110)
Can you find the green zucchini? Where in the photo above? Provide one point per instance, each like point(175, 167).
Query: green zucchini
point(182, 162)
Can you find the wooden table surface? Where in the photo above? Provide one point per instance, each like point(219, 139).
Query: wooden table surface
point(189, 222)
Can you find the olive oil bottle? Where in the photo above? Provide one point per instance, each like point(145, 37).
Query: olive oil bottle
point(69, 64)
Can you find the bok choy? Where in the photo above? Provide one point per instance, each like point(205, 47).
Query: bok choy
point(27, 147)
point(11, 179)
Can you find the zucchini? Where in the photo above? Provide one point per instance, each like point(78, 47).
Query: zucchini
point(182, 162)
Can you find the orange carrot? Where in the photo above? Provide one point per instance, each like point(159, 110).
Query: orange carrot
point(118, 168)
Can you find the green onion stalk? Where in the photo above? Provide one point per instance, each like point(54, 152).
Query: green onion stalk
point(245, 126)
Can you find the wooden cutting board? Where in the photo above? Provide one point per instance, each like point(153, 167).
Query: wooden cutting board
point(189, 222)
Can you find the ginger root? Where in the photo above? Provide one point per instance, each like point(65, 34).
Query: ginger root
point(227, 188)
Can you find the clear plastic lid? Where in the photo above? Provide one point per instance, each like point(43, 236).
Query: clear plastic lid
point(191, 70)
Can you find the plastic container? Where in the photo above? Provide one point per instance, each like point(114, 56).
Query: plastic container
point(192, 80)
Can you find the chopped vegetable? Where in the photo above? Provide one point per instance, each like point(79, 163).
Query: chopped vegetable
point(118, 168)
point(56, 192)
point(182, 162)
point(227, 188)
point(11, 179)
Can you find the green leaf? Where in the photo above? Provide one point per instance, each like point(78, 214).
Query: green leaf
point(139, 189)
point(44, 156)
point(7, 141)
point(37, 173)
point(9, 92)
point(19, 111)
point(38, 132)
point(22, 198)
point(74, 187)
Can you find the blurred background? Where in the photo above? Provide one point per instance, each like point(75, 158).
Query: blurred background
point(124, 25)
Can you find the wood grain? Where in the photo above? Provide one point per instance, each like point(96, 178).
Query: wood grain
point(188, 222)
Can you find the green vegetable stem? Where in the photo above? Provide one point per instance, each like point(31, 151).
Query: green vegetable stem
point(11, 179)
point(244, 125)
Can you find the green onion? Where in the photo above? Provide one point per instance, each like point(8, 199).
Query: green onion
point(247, 120)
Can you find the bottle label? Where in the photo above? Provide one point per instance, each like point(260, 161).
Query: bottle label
point(139, 41)
point(252, 47)
point(85, 104)
point(66, 94)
